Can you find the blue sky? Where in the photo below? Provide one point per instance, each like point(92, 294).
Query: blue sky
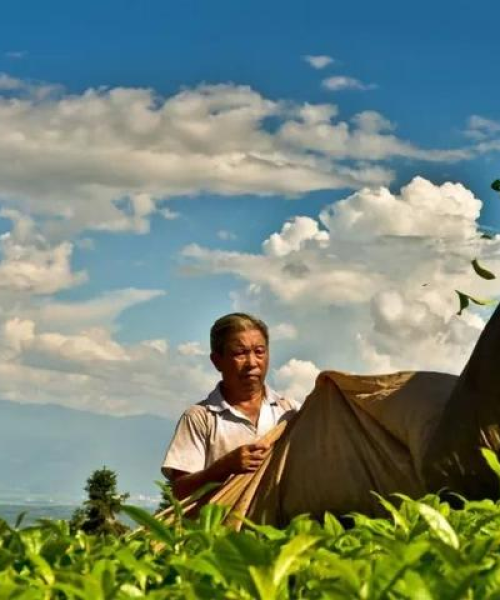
point(211, 116)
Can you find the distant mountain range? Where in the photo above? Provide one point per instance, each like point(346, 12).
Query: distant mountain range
point(48, 451)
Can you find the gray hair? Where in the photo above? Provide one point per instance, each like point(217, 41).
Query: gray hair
point(234, 323)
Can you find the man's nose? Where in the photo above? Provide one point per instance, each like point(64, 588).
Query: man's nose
point(252, 359)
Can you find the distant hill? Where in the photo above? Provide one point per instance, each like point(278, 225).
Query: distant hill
point(49, 450)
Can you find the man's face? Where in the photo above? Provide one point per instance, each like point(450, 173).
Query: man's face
point(245, 361)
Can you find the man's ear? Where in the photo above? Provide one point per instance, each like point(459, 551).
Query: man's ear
point(216, 359)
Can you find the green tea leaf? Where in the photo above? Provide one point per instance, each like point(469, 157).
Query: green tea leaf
point(268, 531)
point(289, 554)
point(332, 526)
point(211, 517)
point(142, 517)
point(131, 591)
point(481, 271)
point(492, 460)
point(439, 525)
point(465, 299)
point(398, 518)
point(263, 580)
point(234, 554)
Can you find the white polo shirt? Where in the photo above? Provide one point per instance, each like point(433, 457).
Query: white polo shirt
point(212, 428)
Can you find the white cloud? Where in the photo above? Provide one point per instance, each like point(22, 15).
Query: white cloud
point(283, 331)
point(374, 291)
point(37, 270)
point(8, 83)
point(341, 82)
point(480, 128)
point(85, 243)
point(90, 370)
point(421, 209)
point(100, 311)
point(168, 214)
point(30, 264)
point(367, 140)
point(191, 349)
point(16, 54)
point(225, 235)
point(159, 345)
point(294, 235)
point(318, 61)
point(91, 345)
point(120, 153)
point(295, 379)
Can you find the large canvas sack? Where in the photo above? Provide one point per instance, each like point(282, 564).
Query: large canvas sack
point(470, 421)
point(353, 435)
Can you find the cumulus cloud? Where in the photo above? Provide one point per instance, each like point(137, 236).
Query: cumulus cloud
point(370, 284)
point(319, 61)
point(120, 153)
point(293, 236)
point(295, 379)
point(341, 82)
point(30, 264)
point(91, 370)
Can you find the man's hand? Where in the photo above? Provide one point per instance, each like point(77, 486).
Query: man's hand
point(245, 459)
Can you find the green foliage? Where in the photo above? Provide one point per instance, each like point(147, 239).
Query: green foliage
point(464, 299)
point(167, 496)
point(98, 515)
point(424, 549)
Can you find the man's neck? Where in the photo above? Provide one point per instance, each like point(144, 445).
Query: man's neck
point(250, 398)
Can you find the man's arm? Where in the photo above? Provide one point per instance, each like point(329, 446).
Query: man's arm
point(244, 459)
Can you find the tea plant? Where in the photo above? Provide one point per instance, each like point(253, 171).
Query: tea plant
point(423, 549)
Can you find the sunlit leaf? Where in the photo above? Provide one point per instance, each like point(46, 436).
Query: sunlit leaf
point(465, 299)
point(332, 525)
point(398, 518)
point(439, 525)
point(289, 554)
point(492, 460)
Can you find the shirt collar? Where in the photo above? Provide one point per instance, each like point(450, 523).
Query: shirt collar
point(215, 401)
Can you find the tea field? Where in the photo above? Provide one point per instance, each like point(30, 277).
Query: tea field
point(423, 550)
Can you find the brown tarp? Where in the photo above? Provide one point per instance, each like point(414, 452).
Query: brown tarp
point(406, 432)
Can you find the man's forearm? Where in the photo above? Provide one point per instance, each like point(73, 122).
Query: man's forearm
point(185, 485)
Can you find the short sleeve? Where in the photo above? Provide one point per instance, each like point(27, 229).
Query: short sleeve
point(187, 450)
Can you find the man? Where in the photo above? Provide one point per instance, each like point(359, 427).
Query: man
point(219, 436)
